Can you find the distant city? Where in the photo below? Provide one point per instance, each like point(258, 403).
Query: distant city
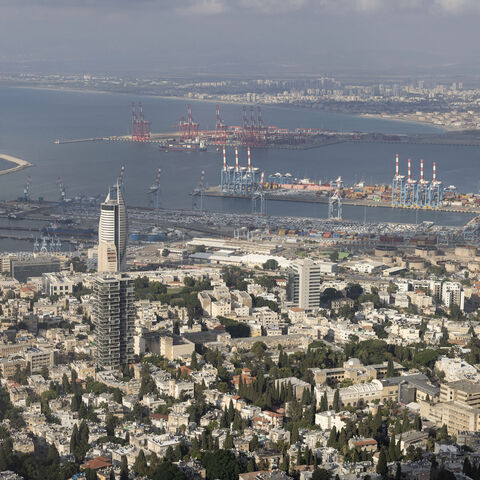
point(451, 105)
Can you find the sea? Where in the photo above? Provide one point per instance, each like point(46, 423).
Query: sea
point(32, 119)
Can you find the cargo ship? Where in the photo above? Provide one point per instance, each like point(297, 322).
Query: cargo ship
point(183, 147)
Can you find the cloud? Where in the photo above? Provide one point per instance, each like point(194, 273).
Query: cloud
point(203, 7)
point(274, 6)
point(456, 6)
point(267, 7)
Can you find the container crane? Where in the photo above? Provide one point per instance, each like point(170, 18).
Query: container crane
point(154, 192)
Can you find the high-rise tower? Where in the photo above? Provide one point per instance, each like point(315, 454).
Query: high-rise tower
point(114, 319)
point(112, 233)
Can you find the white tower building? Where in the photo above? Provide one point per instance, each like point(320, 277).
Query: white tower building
point(112, 233)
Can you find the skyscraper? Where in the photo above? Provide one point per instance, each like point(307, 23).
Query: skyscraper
point(303, 285)
point(114, 319)
point(112, 233)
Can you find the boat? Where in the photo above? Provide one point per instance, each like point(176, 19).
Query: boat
point(183, 147)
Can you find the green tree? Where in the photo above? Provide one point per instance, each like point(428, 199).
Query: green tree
point(390, 369)
point(167, 471)
point(140, 466)
point(332, 439)
point(253, 444)
point(324, 402)
point(258, 349)
point(221, 464)
point(417, 423)
point(321, 474)
point(392, 455)
point(124, 468)
point(228, 442)
point(382, 468)
point(336, 400)
point(270, 264)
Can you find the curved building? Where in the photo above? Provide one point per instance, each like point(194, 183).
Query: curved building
point(112, 233)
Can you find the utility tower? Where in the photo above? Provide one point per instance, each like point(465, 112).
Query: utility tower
point(198, 194)
point(26, 189)
point(61, 187)
point(259, 206)
point(335, 201)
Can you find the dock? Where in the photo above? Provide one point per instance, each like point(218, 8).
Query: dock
point(275, 197)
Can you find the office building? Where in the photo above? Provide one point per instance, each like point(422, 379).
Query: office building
point(22, 269)
point(112, 233)
point(303, 285)
point(114, 319)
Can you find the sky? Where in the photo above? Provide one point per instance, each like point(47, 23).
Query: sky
point(250, 37)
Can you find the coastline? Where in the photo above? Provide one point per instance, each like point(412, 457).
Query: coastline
point(226, 102)
point(18, 162)
point(379, 116)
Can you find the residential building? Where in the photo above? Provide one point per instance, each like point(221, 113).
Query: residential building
point(114, 319)
point(303, 286)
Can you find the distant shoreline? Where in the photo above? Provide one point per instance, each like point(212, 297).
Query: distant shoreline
point(226, 102)
point(390, 118)
point(18, 162)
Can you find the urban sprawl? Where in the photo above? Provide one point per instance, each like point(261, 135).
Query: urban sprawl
point(348, 353)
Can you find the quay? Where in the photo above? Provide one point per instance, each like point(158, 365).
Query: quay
point(214, 192)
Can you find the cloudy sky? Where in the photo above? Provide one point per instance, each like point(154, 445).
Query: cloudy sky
point(241, 36)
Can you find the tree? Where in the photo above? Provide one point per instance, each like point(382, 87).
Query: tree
point(124, 468)
point(140, 466)
point(258, 349)
point(321, 474)
point(336, 400)
point(392, 455)
point(228, 445)
point(382, 468)
point(332, 439)
point(194, 361)
point(73, 437)
point(165, 252)
point(443, 433)
point(167, 471)
point(221, 464)
point(390, 369)
point(110, 424)
point(417, 423)
point(324, 402)
point(53, 458)
point(270, 264)
point(334, 256)
point(90, 474)
point(253, 444)
point(66, 384)
point(354, 290)
point(294, 435)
